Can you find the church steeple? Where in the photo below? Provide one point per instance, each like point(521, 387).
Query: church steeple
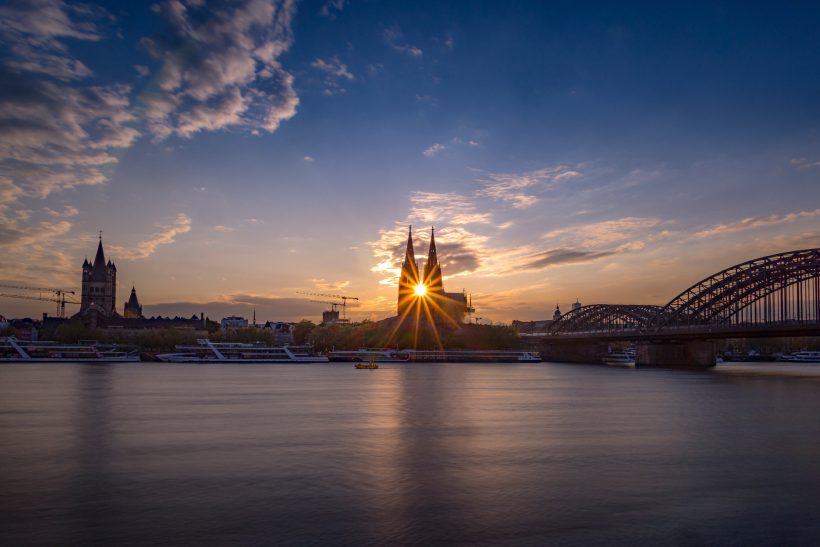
point(409, 276)
point(432, 270)
point(432, 257)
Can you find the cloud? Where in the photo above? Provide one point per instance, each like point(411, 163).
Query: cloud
point(334, 71)
point(433, 149)
point(394, 38)
point(166, 236)
point(605, 232)
point(332, 67)
point(755, 222)
point(330, 6)
point(222, 229)
point(220, 67)
point(330, 286)
point(803, 163)
point(515, 187)
point(560, 256)
point(34, 30)
point(56, 134)
point(449, 207)
point(309, 159)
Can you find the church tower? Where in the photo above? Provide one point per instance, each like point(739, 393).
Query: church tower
point(132, 309)
point(432, 270)
point(99, 286)
point(409, 277)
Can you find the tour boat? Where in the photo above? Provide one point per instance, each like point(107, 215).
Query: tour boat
point(620, 359)
point(802, 357)
point(379, 355)
point(471, 356)
point(13, 350)
point(232, 352)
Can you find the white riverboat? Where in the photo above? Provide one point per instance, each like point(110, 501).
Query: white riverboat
point(802, 357)
point(625, 358)
point(13, 350)
point(232, 352)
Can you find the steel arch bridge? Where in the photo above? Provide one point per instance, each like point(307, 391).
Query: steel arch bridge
point(606, 317)
point(778, 290)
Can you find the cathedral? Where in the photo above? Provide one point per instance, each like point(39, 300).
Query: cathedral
point(99, 288)
point(429, 287)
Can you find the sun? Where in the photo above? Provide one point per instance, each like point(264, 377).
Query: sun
point(420, 289)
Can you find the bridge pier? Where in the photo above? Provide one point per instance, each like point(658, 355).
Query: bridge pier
point(675, 354)
point(573, 352)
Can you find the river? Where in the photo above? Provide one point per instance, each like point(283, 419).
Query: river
point(424, 454)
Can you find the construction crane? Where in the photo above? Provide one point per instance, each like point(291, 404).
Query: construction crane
point(342, 297)
point(59, 298)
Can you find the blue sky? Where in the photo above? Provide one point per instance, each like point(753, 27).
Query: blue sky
point(234, 153)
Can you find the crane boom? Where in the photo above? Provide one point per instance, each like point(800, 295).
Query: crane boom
point(61, 300)
point(344, 298)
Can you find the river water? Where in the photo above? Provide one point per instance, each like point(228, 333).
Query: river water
point(424, 454)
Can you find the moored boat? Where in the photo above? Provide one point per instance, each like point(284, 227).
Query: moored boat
point(232, 352)
point(624, 358)
point(13, 350)
point(802, 357)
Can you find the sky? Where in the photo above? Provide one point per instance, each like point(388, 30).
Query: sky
point(234, 153)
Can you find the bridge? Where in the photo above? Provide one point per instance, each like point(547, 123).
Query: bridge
point(775, 295)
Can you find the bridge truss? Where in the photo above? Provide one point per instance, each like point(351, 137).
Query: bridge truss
point(776, 290)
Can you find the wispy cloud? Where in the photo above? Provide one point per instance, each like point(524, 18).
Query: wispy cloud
point(433, 150)
point(517, 188)
point(329, 8)
point(166, 236)
point(323, 284)
point(334, 71)
point(605, 232)
point(395, 39)
point(803, 163)
point(751, 223)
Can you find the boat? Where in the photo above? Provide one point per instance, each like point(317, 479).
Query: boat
point(366, 366)
point(620, 359)
point(802, 357)
point(233, 352)
point(13, 350)
point(378, 355)
point(471, 356)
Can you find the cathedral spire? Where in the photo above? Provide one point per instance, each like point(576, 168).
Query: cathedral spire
point(432, 257)
point(408, 253)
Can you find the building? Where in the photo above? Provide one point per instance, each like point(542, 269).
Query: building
point(427, 290)
point(576, 305)
point(233, 322)
point(132, 308)
point(282, 332)
point(99, 290)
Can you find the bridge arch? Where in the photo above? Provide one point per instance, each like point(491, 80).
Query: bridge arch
point(606, 318)
point(774, 289)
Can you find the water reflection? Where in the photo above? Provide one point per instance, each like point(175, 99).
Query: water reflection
point(421, 454)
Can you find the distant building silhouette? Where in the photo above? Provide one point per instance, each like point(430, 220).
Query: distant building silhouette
point(132, 308)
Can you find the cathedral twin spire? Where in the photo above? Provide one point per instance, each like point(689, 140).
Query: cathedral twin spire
point(409, 277)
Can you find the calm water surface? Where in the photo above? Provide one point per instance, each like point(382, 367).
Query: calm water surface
point(419, 454)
